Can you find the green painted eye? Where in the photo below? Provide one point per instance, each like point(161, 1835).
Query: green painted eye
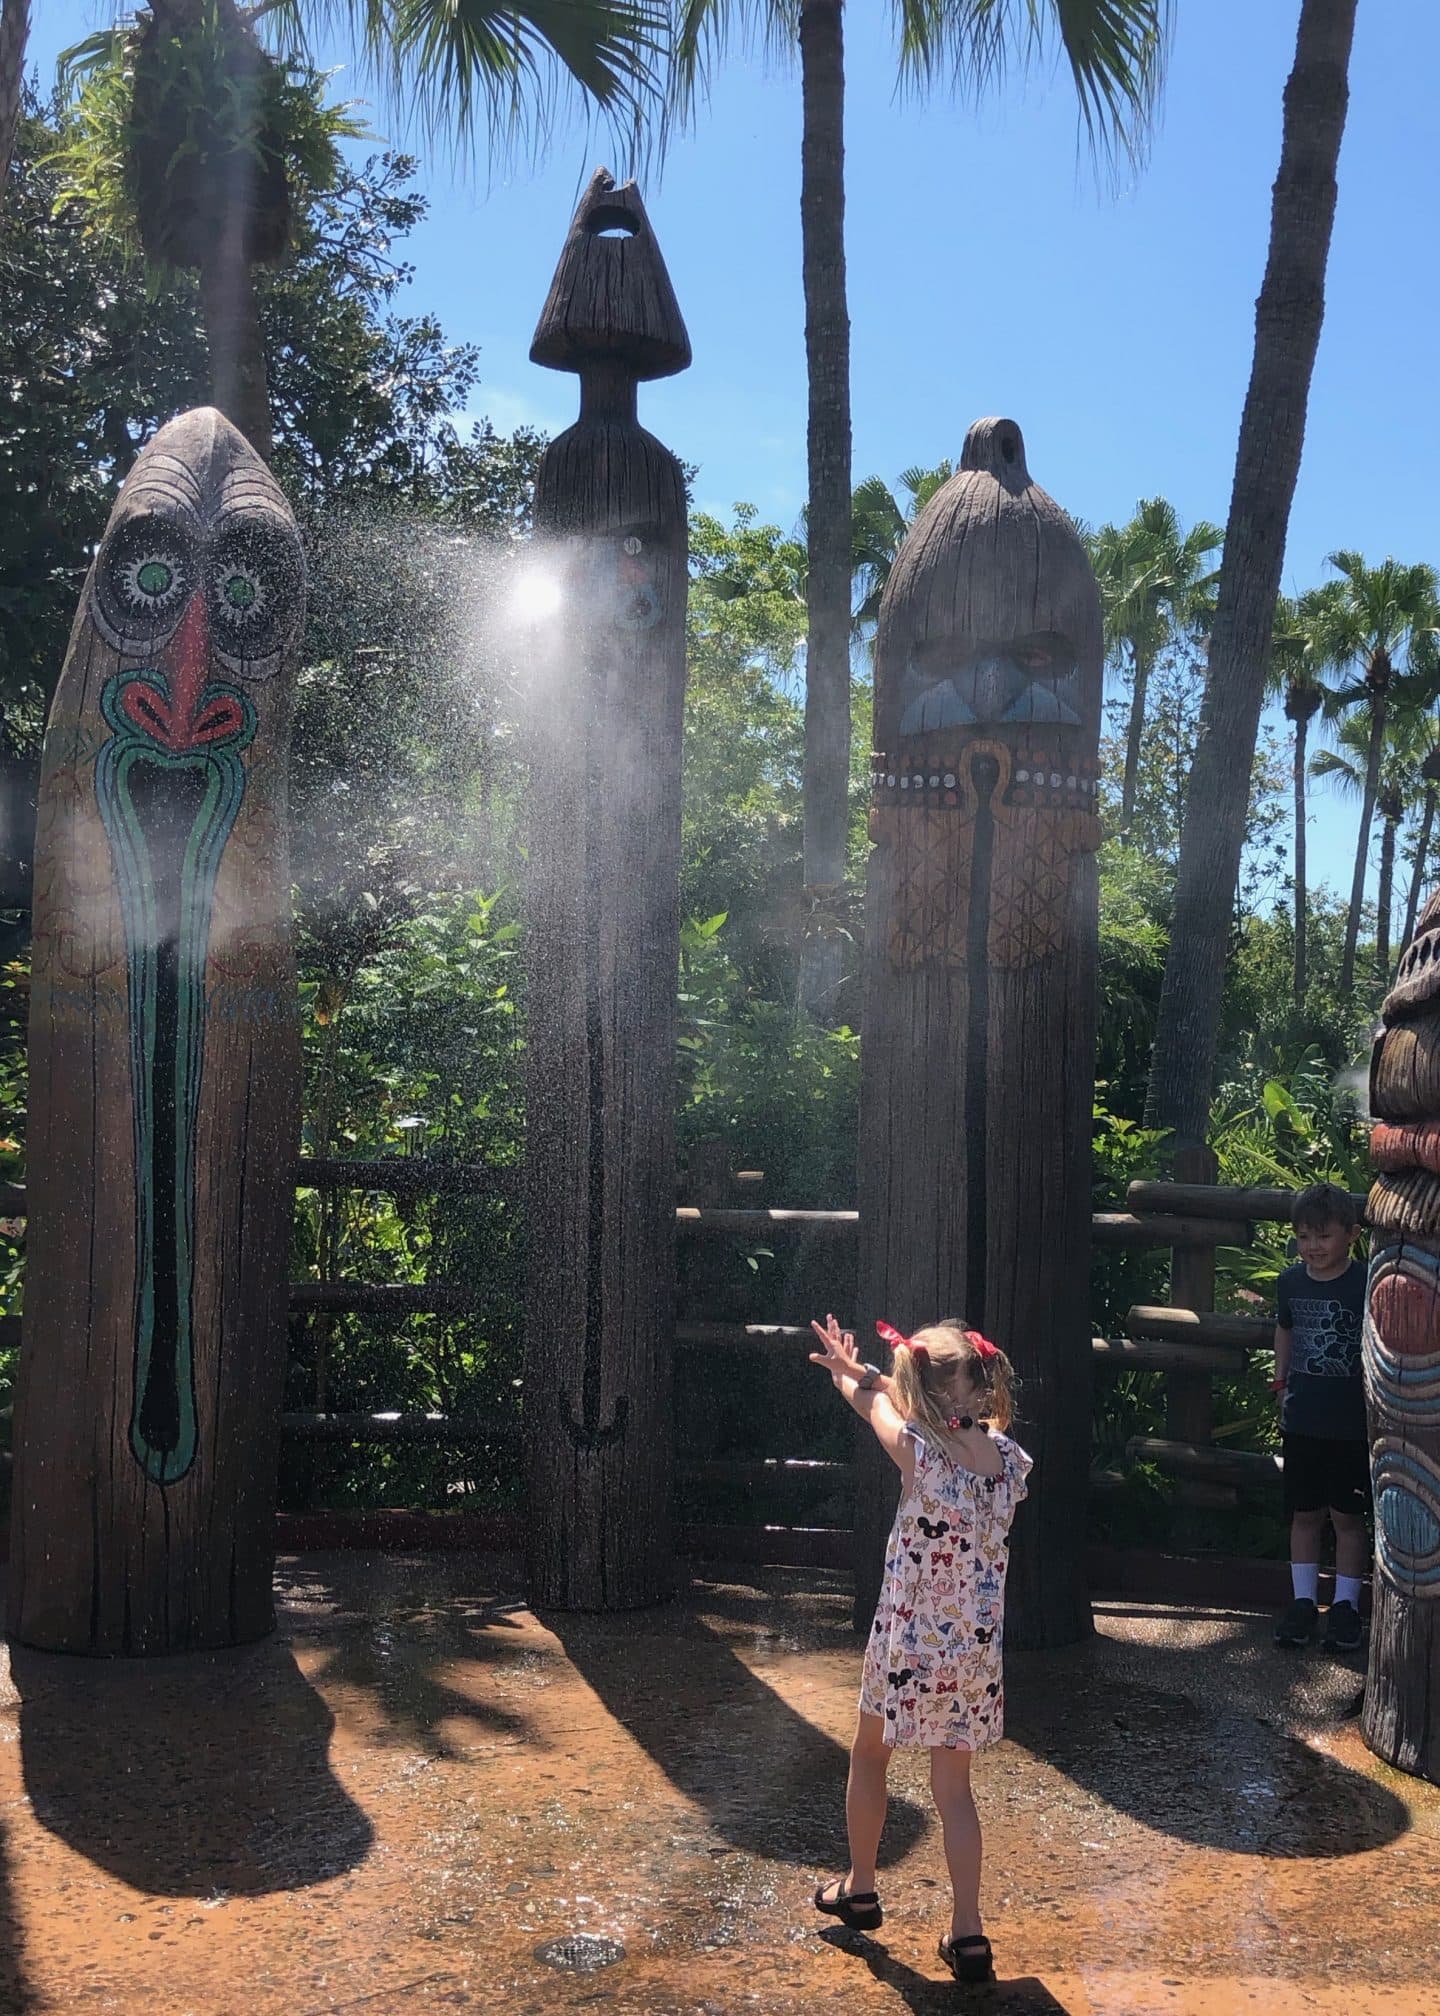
point(153, 577)
point(241, 592)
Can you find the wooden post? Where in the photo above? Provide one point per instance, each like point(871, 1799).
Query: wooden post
point(978, 1058)
point(606, 704)
point(164, 1072)
point(1401, 1720)
point(1189, 1396)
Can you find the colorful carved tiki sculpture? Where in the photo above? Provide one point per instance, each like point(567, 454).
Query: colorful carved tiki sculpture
point(606, 682)
point(164, 1072)
point(977, 1069)
point(1402, 1362)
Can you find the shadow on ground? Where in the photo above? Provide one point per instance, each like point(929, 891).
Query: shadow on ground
point(923, 1995)
point(200, 1774)
point(1191, 1732)
point(14, 1994)
point(684, 1686)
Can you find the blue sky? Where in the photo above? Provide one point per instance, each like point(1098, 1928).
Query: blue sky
point(989, 273)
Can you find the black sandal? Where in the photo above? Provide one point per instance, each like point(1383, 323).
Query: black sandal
point(857, 1909)
point(969, 1959)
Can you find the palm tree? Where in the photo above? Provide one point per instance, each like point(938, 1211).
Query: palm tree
point(1155, 586)
point(1293, 674)
point(1288, 315)
point(879, 521)
point(1396, 784)
point(1115, 50)
point(190, 139)
point(1372, 628)
point(1430, 779)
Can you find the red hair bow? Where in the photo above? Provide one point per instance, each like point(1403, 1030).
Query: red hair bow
point(983, 1347)
point(888, 1334)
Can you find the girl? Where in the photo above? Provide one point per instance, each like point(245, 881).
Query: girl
point(933, 1663)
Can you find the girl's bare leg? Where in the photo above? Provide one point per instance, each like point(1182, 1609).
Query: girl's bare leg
point(950, 1784)
point(865, 1800)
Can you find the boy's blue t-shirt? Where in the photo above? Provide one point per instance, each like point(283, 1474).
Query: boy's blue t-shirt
point(1325, 1388)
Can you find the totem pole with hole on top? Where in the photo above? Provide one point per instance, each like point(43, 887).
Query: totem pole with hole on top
point(164, 1098)
point(1401, 1719)
point(978, 1048)
point(606, 694)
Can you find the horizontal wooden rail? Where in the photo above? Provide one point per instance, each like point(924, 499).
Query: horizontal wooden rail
point(767, 1470)
point(1126, 1228)
point(728, 1335)
point(383, 1298)
point(306, 1426)
point(1186, 1326)
point(1241, 1467)
point(1218, 1200)
point(724, 1222)
point(1153, 1354)
point(408, 1176)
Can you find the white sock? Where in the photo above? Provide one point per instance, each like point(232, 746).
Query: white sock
point(1347, 1589)
point(1305, 1579)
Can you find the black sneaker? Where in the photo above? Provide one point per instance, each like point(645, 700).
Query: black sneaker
point(1296, 1624)
point(1343, 1629)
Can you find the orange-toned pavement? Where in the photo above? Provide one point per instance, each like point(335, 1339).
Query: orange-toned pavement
point(415, 1785)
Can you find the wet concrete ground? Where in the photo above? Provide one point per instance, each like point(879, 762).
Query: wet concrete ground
point(392, 1804)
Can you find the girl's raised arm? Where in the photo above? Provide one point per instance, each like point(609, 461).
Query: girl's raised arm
point(869, 1396)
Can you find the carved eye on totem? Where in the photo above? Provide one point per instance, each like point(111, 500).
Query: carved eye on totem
point(253, 595)
point(1018, 680)
point(144, 580)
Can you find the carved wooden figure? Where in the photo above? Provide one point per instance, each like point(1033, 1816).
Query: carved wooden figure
point(608, 678)
point(977, 1062)
point(164, 1072)
point(1402, 1362)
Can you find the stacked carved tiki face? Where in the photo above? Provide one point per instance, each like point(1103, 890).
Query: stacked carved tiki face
point(164, 1070)
point(1402, 1337)
point(987, 707)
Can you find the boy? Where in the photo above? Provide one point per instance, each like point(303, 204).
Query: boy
point(1320, 1311)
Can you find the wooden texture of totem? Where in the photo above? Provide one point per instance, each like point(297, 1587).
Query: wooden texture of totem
point(607, 679)
point(164, 1072)
point(977, 1061)
point(1402, 1362)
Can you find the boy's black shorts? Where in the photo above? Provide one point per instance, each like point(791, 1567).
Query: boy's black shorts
point(1320, 1472)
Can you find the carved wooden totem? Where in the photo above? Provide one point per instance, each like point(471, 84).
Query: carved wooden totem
point(1402, 1362)
point(977, 1061)
point(164, 1072)
point(607, 697)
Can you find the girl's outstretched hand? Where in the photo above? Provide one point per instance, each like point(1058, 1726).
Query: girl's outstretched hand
point(837, 1354)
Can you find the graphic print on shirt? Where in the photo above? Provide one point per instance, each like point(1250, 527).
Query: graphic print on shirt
point(1326, 1338)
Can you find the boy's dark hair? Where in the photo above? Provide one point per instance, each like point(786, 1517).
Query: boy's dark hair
point(1321, 1204)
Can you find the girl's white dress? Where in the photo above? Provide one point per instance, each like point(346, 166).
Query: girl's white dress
point(933, 1666)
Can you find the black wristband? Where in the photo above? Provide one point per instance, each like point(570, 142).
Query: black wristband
point(872, 1378)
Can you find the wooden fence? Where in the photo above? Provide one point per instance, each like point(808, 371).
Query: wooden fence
point(1184, 1340)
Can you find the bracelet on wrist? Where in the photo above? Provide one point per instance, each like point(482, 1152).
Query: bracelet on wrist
point(870, 1379)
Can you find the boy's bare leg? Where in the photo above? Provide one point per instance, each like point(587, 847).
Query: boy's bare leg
point(1307, 1529)
point(1352, 1544)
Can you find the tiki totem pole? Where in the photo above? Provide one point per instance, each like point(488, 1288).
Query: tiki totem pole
point(1402, 1362)
point(607, 684)
point(164, 1072)
point(978, 1058)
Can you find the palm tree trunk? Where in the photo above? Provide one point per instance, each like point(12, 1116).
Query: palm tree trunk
point(1422, 853)
point(827, 592)
point(1144, 663)
point(1288, 316)
point(1384, 897)
point(1302, 916)
point(14, 33)
point(1362, 845)
point(238, 383)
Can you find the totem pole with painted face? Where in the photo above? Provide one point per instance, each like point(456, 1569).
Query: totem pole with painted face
point(978, 1049)
point(1402, 1362)
point(606, 680)
point(164, 1072)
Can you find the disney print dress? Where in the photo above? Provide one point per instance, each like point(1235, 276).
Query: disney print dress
point(933, 1666)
